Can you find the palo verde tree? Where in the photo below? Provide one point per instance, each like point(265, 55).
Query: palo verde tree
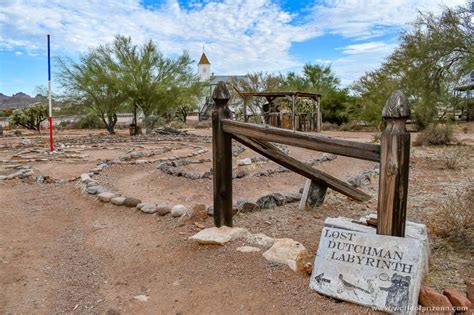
point(153, 82)
point(93, 81)
point(30, 117)
point(434, 54)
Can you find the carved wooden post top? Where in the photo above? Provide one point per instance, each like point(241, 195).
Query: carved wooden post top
point(221, 94)
point(396, 106)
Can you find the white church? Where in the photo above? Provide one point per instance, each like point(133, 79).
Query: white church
point(206, 76)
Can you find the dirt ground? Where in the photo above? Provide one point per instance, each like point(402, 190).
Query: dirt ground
point(62, 251)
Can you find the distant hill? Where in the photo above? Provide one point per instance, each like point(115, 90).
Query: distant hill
point(19, 100)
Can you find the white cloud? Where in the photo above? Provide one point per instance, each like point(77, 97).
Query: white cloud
point(240, 36)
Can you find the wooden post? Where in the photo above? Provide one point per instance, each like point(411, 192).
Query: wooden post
point(394, 167)
point(319, 122)
point(221, 158)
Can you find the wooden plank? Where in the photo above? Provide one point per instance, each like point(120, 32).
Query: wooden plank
point(394, 167)
point(273, 153)
point(364, 151)
point(221, 158)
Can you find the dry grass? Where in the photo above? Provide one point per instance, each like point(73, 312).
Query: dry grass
point(454, 220)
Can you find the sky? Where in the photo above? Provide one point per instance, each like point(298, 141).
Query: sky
point(239, 36)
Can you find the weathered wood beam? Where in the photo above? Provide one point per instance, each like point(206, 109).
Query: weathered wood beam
point(394, 167)
point(221, 158)
point(364, 151)
point(273, 153)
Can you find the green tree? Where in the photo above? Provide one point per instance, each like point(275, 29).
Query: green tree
point(30, 117)
point(433, 56)
point(93, 81)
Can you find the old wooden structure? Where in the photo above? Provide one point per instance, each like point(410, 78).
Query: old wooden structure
point(393, 154)
point(310, 121)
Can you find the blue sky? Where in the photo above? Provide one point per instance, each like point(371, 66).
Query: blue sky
point(354, 36)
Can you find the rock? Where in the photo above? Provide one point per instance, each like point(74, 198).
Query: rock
point(470, 289)
point(457, 298)
point(246, 161)
point(118, 201)
point(292, 197)
point(149, 208)
point(141, 297)
point(131, 202)
point(178, 210)
point(163, 210)
point(40, 179)
point(85, 178)
point(240, 174)
point(3, 177)
point(261, 240)
point(248, 249)
point(271, 201)
point(377, 271)
point(431, 298)
point(289, 252)
point(140, 205)
point(136, 155)
point(220, 236)
point(25, 141)
point(244, 206)
point(106, 196)
point(95, 190)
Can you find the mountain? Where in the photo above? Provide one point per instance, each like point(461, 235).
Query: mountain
point(18, 100)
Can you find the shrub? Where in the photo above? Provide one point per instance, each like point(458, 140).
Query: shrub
point(454, 219)
point(329, 126)
point(30, 117)
point(90, 121)
point(153, 121)
point(435, 135)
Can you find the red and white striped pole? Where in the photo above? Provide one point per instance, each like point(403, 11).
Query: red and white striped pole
point(50, 110)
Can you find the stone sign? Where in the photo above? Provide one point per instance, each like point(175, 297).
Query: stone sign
point(382, 272)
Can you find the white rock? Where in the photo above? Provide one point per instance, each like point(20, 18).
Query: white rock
point(85, 178)
point(106, 196)
point(289, 252)
point(248, 249)
point(2, 177)
point(220, 236)
point(140, 205)
point(261, 240)
point(178, 210)
point(246, 161)
point(141, 297)
point(149, 208)
point(118, 201)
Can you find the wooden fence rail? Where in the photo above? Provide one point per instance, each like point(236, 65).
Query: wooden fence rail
point(393, 155)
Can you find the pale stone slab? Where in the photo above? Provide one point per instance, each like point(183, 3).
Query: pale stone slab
point(220, 236)
point(289, 252)
point(85, 178)
point(378, 271)
point(118, 201)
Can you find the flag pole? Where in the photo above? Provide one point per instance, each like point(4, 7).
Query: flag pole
point(50, 109)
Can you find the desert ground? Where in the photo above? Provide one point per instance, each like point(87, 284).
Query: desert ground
point(63, 251)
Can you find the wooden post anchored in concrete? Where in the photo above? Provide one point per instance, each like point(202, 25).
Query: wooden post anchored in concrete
point(394, 167)
point(222, 158)
point(313, 195)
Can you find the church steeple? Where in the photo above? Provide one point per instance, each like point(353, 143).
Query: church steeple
point(204, 68)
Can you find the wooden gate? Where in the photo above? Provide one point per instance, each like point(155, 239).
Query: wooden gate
point(393, 153)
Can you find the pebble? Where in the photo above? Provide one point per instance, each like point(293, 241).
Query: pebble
point(131, 202)
point(106, 196)
point(95, 190)
point(149, 208)
point(248, 249)
point(118, 201)
point(163, 210)
point(141, 297)
point(178, 210)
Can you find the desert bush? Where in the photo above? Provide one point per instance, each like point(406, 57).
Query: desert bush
point(153, 121)
point(435, 134)
point(452, 160)
point(350, 126)
point(454, 219)
point(90, 121)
